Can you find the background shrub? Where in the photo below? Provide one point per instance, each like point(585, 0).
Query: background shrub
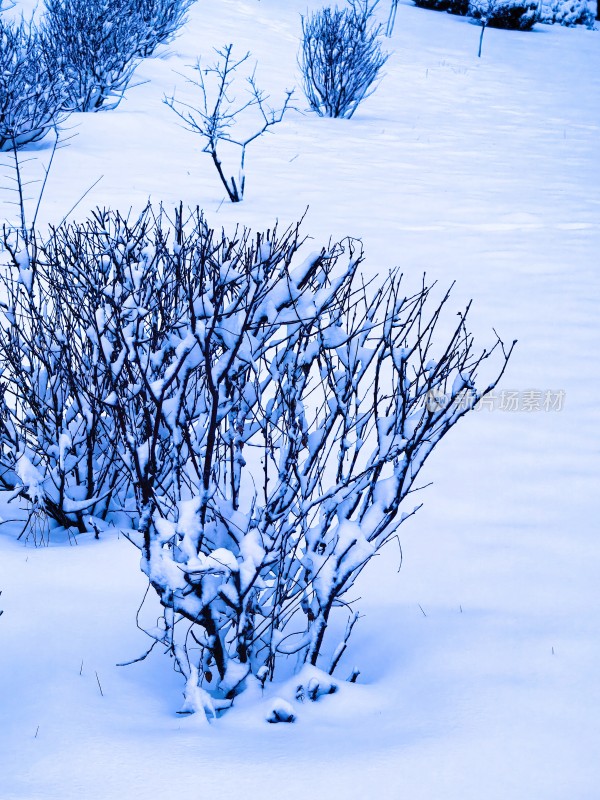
point(568, 13)
point(340, 58)
point(32, 91)
point(97, 44)
point(517, 15)
point(460, 7)
point(159, 20)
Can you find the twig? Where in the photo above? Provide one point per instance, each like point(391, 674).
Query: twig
point(141, 658)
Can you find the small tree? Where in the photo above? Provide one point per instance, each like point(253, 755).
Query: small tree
point(217, 114)
point(32, 91)
point(97, 44)
point(340, 58)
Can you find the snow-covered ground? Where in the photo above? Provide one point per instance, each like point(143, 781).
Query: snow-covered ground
point(479, 659)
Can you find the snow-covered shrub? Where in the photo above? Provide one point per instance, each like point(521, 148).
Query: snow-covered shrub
point(568, 13)
point(97, 44)
point(273, 413)
point(216, 113)
point(460, 7)
point(260, 412)
point(518, 15)
point(340, 57)
point(159, 20)
point(57, 444)
point(32, 92)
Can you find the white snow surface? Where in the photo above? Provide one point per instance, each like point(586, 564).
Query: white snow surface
point(479, 658)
